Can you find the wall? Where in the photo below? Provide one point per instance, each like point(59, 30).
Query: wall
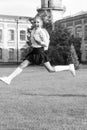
point(10, 42)
point(77, 26)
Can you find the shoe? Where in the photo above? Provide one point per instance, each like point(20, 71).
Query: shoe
point(5, 80)
point(72, 69)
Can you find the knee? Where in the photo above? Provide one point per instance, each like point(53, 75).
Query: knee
point(24, 64)
point(51, 70)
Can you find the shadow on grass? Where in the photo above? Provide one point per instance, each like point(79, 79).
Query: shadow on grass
point(54, 95)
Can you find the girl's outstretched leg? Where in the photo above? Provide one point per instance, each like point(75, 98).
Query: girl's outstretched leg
point(17, 71)
point(70, 68)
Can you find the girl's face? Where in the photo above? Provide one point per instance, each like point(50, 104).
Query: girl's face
point(38, 23)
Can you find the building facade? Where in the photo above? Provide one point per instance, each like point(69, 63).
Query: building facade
point(77, 26)
point(13, 36)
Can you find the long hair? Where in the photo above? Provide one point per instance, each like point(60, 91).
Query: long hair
point(42, 18)
point(46, 24)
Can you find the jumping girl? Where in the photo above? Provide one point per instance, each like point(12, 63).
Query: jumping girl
point(40, 42)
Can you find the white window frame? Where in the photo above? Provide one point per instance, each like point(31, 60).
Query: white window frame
point(25, 35)
point(11, 57)
point(85, 31)
point(22, 50)
point(1, 40)
point(70, 30)
point(10, 35)
point(1, 54)
point(77, 33)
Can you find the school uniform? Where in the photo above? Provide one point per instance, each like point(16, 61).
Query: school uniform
point(39, 54)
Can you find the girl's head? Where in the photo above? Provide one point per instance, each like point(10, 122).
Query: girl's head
point(38, 22)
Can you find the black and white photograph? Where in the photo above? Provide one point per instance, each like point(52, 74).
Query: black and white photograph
point(43, 65)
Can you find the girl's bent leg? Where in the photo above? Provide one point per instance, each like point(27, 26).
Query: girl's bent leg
point(60, 68)
point(16, 72)
point(49, 67)
point(70, 68)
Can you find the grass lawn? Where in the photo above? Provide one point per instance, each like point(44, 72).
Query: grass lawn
point(38, 100)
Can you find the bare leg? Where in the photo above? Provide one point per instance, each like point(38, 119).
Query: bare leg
point(60, 68)
point(16, 72)
point(49, 67)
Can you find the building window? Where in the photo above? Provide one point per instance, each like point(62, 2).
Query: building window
point(11, 35)
point(69, 24)
point(48, 4)
point(0, 35)
point(78, 22)
point(85, 32)
point(86, 54)
point(70, 30)
point(78, 31)
point(11, 54)
point(85, 20)
point(22, 35)
point(22, 53)
point(0, 53)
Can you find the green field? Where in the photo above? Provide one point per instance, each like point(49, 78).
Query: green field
point(38, 100)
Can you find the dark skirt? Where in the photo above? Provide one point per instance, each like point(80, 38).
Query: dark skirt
point(37, 56)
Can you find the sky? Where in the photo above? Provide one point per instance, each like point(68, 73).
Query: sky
point(74, 6)
point(19, 7)
point(28, 7)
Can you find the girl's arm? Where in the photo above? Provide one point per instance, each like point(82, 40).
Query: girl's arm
point(43, 38)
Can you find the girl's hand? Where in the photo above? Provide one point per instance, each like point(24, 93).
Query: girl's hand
point(39, 42)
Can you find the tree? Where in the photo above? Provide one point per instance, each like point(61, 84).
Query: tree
point(77, 45)
point(61, 47)
point(74, 56)
point(60, 41)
